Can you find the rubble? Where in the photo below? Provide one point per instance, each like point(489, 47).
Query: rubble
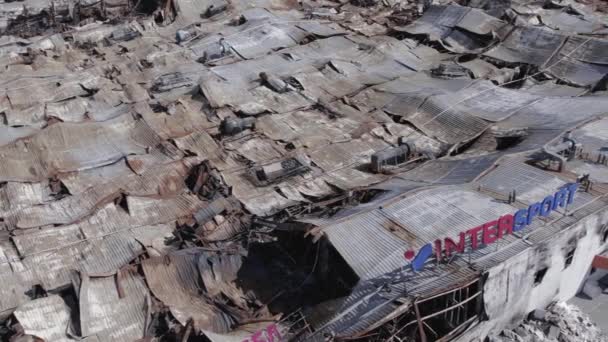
point(563, 322)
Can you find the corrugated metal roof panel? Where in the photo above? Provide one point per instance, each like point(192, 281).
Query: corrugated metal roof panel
point(367, 247)
point(374, 299)
point(54, 253)
point(452, 170)
point(564, 222)
point(556, 112)
point(373, 242)
point(46, 318)
point(445, 211)
point(593, 135)
point(167, 179)
point(531, 184)
point(114, 308)
point(68, 147)
point(13, 291)
point(176, 281)
point(499, 256)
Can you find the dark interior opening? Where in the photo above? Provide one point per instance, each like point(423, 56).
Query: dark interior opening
point(569, 258)
point(539, 275)
point(293, 273)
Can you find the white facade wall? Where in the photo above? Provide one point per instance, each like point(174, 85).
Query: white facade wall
point(509, 290)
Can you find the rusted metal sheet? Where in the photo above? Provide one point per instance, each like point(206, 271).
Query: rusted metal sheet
point(54, 263)
point(68, 147)
point(174, 280)
point(600, 261)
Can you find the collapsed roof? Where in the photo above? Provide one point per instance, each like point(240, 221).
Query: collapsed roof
point(153, 151)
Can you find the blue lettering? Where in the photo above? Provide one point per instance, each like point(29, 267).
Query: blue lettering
point(560, 198)
point(423, 255)
point(520, 220)
point(546, 206)
point(572, 190)
point(533, 210)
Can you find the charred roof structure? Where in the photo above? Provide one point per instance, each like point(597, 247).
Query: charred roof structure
point(314, 170)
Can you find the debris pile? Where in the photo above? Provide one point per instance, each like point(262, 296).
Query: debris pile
point(559, 322)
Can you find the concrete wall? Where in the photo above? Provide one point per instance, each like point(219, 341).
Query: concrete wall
point(509, 291)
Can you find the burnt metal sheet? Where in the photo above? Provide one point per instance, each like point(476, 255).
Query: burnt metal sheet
point(234, 86)
point(593, 136)
point(110, 218)
point(176, 281)
point(163, 180)
point(256, 40)
point(374, 250)
point(63, 211)
point(438, 118)
point(67, 147)
point(533, 45)
point(114, 308)
point(150, 211)
point(258, 201)
point(14, 196)
point(444, 212)
point(310, 127)
point(560, 19)
point(451, 170)
point(536, 139)
point(459, 28)
point(79, 182)
point(551, 88)
point(202, 144)
point(596, 172)
point(54, 262)
point(441, 109)
point(46, 318)
point(345, 164)
point(256, 150)
point(214, 208)
point(16, 278)
point(68, 87)
point(493, 103)
point(154, 237)
point(530, 184)
point(573, 58)
point(382, 235)
point(10, 134)
point(438, 21)
point(556, 112)
point(371, 301)
point(225, 230)
point(73, 110)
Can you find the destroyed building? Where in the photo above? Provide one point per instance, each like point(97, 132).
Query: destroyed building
point(312, 170)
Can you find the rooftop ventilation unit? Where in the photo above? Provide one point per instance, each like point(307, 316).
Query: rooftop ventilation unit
point(391, 158)
point(232, 126)
point(272, 173)
point(562, 152)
